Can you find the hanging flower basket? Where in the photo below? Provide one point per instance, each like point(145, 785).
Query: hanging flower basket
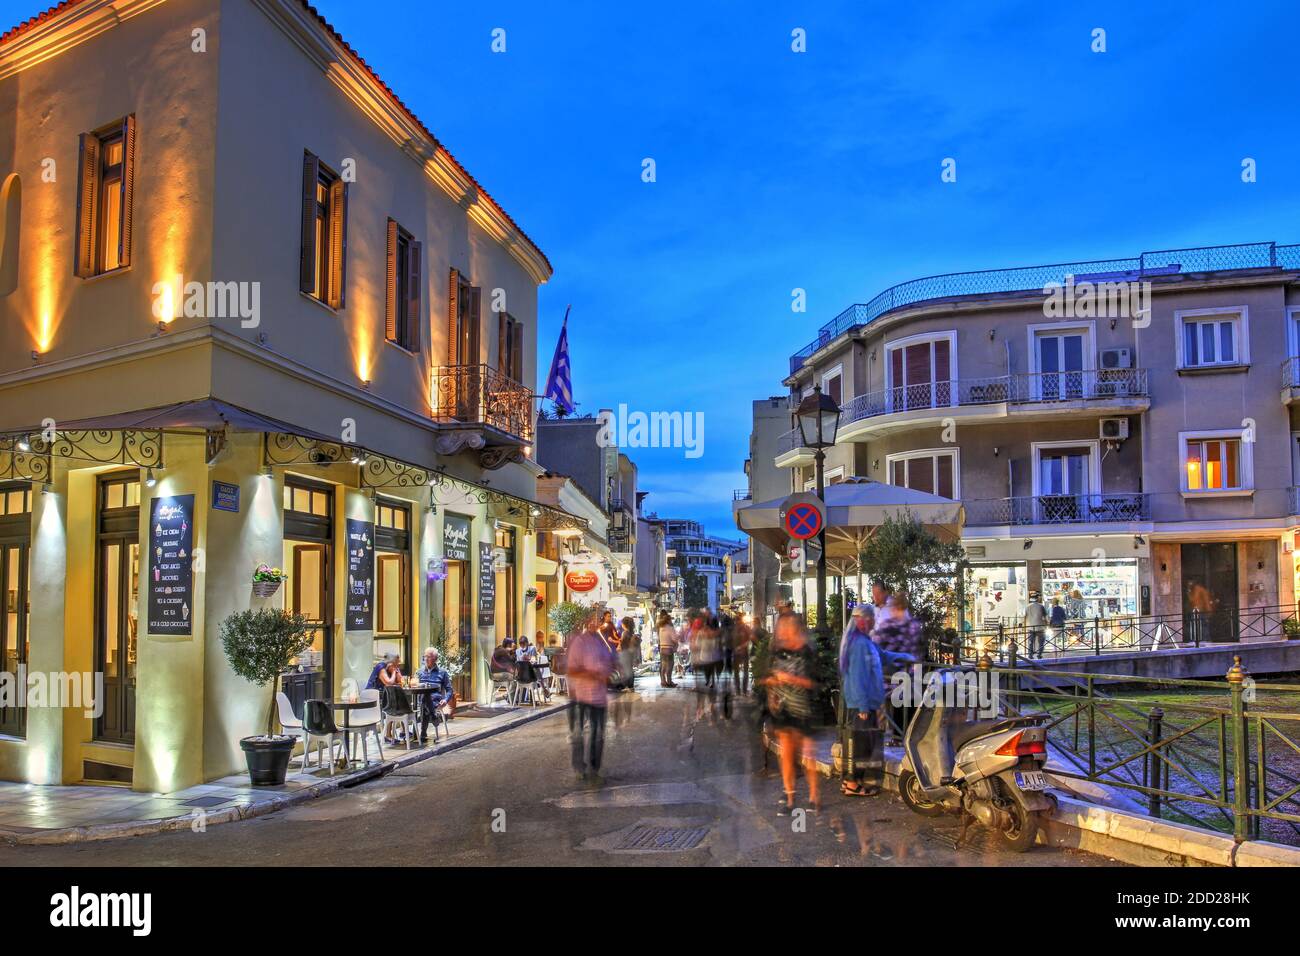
point(267, 580)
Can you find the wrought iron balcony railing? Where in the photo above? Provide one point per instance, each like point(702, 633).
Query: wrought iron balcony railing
point(1023, 389)
point(1058, 509)
point(1254, 255)
point(1291, 372)
point(481, 395)
point(789, 441)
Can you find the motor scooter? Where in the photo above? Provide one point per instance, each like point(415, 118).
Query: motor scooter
point(987, 770)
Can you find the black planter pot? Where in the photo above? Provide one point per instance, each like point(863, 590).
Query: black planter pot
point(268, 760)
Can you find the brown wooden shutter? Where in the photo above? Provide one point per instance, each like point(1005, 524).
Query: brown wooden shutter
point(518, 358)
point(307, 265)
point(128, 191)
point(413, 325)
point(87, 199)
point(453, 303)
point(390, 285)
point(503, 344)
point(338, 243)
point(475, 325)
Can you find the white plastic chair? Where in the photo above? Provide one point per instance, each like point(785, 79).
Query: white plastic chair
point(289, 724)
point(327, 734)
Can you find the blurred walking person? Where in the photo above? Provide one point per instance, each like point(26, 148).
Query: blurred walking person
point(589, 663)
point(862, 666)
point(667, 648)
point(790, 686)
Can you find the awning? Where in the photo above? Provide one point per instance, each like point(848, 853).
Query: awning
point(854, 510)
point(203, 414)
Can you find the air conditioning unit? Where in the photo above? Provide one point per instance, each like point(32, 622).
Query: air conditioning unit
point(1116, 358)
point(1114, 429)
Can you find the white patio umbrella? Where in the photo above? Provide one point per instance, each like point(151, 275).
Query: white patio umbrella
point(854, 510)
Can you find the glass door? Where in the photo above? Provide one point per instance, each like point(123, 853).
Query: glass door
point(1209, 592)
point(1063, 484)
point(1060, 364)
point(117, 594)
point(13, 628)
point(920, 375)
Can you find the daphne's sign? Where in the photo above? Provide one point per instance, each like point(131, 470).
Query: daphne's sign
point(582, 580)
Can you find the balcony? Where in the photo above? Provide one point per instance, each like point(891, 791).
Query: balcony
point(1029, 396)
point(483, 409)
point(1026, 279)
point(1103, 508)
point(1291, 380)
point(791, 451)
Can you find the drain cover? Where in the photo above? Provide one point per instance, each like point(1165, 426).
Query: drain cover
point(667, 839)
point(207, 802)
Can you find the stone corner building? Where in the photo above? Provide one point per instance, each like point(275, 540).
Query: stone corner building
point(251, 311)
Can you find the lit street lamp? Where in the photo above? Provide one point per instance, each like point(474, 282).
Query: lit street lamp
point(819, 419)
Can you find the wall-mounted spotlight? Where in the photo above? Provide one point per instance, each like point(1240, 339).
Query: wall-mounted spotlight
point(996, 449)
point(359, 458)
point(365, 383)
point(36, 356)
point(149, 479)
point(992, 333)
point(1112, 324)
point(47, 488)
point(267, 472)
point(23, 444)
point(1029, 543)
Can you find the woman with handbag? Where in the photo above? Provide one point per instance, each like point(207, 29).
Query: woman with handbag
point(862, 679)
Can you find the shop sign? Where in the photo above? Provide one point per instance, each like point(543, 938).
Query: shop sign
point(361, 575)
point(171, 572)
point(582, 580)
point(487, 586)
point(455, 538)
point(225, 496)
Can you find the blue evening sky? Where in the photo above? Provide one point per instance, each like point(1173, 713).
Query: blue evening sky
point(821, 170)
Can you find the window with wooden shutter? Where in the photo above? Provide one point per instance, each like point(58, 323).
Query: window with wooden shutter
point(105, 199)
point(307, 272)
point(322, 271)
point(402, 289)
point(453, 317)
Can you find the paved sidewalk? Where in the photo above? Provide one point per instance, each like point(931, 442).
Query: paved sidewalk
point(43, 814)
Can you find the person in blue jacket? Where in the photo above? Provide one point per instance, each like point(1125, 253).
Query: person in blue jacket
point(862, 678)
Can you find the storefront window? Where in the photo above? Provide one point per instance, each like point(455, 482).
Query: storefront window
point(117, 603)
point(996, 594)
point(308, 555)
point(392, 593)
point(15, 535)
point(1089, 590)
point(506, 607)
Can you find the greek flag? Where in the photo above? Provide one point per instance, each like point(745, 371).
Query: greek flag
point(559, 386)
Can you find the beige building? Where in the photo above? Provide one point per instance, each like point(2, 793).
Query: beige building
point(253, 312)
point(1122, 433)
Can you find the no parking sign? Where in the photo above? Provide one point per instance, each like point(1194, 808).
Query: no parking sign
point(803, 516)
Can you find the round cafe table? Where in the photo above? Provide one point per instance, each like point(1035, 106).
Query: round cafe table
point(421, 693)
point(347, 706)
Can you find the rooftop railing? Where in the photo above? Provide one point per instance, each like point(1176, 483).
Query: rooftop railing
point(1149, 265)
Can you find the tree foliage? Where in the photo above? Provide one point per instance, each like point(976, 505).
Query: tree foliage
point(567, 617)
point(260, 644)
point(912, 560)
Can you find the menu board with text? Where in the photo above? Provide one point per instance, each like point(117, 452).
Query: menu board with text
point(171, 574)
point(487, 586)
point(361, 575)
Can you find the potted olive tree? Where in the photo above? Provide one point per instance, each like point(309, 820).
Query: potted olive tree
point(259, 645)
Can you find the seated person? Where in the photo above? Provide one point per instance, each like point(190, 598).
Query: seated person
point(430, 704)
point(526, 652)
point(382, 665)
point(391, 675)
point(503, 658)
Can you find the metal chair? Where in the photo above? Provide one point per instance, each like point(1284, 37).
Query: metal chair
point(398, 713)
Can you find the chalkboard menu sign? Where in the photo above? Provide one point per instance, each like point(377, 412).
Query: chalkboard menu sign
point(171, 573)
point(487, 587)
point(361, 575)
point(455, 538)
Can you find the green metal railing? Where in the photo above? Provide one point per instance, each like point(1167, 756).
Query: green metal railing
point(1223, 755)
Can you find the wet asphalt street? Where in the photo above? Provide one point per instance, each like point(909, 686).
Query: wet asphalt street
point(683, 787)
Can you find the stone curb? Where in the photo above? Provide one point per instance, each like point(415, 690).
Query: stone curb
point(129, 828)
point(1129, 837)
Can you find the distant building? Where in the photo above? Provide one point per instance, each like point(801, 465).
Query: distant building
point(706, 555)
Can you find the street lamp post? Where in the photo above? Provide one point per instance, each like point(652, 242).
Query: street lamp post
point(819, 419)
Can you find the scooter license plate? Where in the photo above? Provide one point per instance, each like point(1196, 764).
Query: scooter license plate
point(1031, 780)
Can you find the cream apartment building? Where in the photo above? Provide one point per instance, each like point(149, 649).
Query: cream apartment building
point(1136, 453)
point(253, 312)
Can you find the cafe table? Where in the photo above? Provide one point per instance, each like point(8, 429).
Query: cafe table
point(421, 693)
point(347, 705)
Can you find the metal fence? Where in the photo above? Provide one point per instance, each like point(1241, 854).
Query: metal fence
point(1057, 509)
point(1224, 755)
point(1010, 643)
point(1254, 255)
